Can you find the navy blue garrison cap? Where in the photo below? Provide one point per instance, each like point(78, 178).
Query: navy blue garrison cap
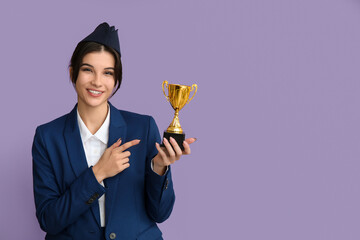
point(105, 35)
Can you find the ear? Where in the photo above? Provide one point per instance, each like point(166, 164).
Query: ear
point(71, 72)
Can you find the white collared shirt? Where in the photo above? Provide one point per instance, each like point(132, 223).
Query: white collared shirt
point(94, 147)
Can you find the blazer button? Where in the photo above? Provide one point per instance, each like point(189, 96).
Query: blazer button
point(90, 201)
point(166, 183)
point(112, 235)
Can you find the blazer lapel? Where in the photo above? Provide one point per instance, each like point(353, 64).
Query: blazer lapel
point(74, 144)
point(76, 152)
point(117, 129)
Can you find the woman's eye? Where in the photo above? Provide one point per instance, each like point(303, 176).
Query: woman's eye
point(86, 69)
point(109, 73)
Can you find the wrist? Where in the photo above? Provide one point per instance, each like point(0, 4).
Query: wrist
point(99, 177)
point(158, 168)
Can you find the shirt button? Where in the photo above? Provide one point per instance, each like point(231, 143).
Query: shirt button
point(112, 235)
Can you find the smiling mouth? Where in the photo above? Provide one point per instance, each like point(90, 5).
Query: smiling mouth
point(94, 92)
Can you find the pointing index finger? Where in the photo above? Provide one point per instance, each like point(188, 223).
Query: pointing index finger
point(129, 144)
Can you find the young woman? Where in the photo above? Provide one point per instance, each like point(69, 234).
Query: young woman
point(99, 172)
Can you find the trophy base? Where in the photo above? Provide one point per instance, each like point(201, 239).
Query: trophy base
point(179, 138)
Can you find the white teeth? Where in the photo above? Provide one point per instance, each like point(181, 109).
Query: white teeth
point(94, 92)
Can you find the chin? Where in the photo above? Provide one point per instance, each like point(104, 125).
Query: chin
point(95, 102)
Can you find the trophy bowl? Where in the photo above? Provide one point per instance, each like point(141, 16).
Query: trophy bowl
point(178, 96)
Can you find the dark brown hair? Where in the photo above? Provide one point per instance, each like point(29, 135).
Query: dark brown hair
point(84, 48)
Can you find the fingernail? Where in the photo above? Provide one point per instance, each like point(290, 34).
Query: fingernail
point(118, 140)
point(171, 138)
point(165, 140)
point(195, 139)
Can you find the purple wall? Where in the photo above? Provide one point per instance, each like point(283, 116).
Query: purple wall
point(277, 113)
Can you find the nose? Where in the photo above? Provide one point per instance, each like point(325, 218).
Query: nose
point(96, 81)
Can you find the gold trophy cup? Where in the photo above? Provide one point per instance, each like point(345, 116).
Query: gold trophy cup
point(178, 96)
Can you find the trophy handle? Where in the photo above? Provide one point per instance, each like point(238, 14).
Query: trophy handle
point(192, 88)
point(165, 83)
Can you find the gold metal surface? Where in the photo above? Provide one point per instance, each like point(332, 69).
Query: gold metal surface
point(178, 96)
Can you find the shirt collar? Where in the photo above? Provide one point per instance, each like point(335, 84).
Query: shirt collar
point(102, 134)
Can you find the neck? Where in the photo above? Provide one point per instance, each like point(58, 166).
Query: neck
point(93, 117)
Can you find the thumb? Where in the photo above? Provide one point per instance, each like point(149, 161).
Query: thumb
point(116, 144)
point(190, 140)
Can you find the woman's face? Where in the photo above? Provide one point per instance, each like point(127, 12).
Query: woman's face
point(95, 81)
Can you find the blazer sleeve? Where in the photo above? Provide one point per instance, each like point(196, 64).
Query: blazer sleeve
point(56, 209)
point(160, 196)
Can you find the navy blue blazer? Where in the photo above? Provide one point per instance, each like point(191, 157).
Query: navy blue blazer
point(66, 190)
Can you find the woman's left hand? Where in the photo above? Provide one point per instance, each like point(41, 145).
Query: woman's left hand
point(168, 155)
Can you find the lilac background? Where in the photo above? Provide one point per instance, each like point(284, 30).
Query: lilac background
point(277, 111)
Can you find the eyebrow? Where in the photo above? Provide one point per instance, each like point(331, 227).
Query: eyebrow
point(86, 64)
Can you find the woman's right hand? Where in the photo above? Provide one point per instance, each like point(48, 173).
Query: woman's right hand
point(114, 160)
